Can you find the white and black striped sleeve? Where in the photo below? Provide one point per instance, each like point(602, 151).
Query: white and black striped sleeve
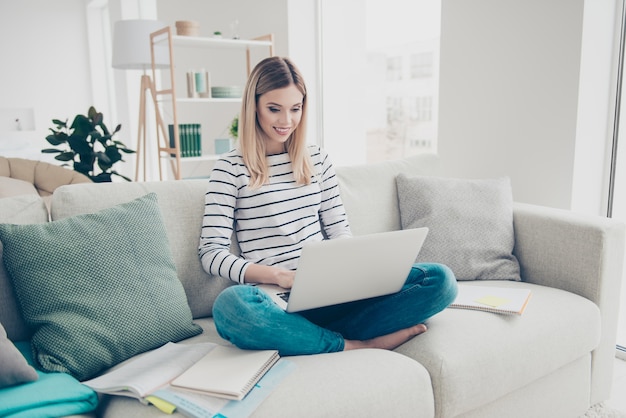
point(217, 223)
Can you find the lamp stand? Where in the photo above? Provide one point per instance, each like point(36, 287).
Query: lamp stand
point(148, 84)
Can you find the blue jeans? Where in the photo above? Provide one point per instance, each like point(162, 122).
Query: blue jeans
point(248, 318)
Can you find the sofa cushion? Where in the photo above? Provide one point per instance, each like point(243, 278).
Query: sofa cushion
point(23, 209)
point(97, 288)
point(356, 383)
point(15, 187)
point(182, 206)
point(375, 184)
point(476, 357)
point(470, 224)
point(14, 369)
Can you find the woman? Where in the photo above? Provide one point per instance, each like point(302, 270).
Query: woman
point(276, 193)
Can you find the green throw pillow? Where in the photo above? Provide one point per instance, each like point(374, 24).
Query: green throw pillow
point(97, 288)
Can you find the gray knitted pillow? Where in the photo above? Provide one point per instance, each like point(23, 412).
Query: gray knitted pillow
point(470, 222)
point(14, 369)
point(97, 288)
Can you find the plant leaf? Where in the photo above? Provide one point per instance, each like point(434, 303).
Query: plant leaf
point(79, 144)
point(57, 138)
point(65, 156)
point(82, 126)
point(101, 178)
point(120, 175)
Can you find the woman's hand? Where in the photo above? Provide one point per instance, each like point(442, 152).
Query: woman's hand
point(256, 273)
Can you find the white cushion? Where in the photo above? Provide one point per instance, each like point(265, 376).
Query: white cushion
point(475, 357)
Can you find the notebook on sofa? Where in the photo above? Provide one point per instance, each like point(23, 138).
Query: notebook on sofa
point(344, 270)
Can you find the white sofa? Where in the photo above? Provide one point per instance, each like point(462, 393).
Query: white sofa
point(555, 360)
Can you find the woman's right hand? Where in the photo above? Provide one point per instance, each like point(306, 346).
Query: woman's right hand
point(257, 273)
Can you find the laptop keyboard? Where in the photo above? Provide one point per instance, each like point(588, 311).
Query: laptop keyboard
point(284, 296)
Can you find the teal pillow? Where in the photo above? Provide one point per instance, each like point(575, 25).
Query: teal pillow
point(97, 288)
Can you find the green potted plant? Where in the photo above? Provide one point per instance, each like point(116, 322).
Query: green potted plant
point(234, 127)
point(88, 145)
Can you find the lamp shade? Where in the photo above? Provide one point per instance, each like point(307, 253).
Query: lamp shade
point(131, 45)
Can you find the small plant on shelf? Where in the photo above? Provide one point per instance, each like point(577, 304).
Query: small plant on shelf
point(88, 146)
point(234, 128)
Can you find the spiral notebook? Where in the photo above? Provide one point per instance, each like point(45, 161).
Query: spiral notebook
point(502, 300)
point(227, 372)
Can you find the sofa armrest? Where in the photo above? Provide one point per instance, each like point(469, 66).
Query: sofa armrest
point(581, 254)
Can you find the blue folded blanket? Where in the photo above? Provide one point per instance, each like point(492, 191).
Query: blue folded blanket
point(52, 395)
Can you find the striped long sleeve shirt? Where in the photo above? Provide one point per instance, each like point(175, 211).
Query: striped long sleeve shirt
point(272, 222)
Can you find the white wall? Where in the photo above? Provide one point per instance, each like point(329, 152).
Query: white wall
point(516, 100)
point(44, 69)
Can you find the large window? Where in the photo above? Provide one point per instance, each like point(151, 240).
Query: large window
point(380, 78)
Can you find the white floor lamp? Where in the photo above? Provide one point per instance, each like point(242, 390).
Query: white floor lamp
point(131, 51)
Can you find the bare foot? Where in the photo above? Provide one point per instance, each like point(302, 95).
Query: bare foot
point(389, 341)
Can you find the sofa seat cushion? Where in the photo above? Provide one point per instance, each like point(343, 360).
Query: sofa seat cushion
point(182, 207)
point(476, 357)
point(345, 384)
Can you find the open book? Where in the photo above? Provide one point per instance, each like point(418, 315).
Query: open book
point(150, 371)
point(148, 379)
point(502, 300)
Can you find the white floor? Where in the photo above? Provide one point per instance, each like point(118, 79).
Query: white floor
point(618, 392)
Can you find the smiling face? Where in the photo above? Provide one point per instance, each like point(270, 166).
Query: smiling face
point(278, 113)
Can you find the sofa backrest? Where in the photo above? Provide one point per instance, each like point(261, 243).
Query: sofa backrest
point(182, 206)
point(368, 192)
point(370, 195)
point(24, 209)
point(45, 177)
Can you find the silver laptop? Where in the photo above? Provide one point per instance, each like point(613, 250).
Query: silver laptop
point(344, 270)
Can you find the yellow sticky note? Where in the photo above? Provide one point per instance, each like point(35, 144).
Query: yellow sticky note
point(162, 405)
point(493, 301)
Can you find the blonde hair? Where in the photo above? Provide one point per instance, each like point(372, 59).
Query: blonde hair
point(271, 74)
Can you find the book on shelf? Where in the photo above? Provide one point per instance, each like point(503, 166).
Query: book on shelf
point(189, 139)
point(148, 378)
point(496, 299)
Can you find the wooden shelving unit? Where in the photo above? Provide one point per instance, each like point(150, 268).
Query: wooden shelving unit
point(168, 96)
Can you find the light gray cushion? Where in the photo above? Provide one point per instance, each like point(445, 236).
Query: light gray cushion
point(97, 288)
point(23, 209)
point(470, 222)
point(13, 366)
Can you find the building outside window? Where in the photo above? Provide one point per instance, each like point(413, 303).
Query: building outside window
point(403, 73)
